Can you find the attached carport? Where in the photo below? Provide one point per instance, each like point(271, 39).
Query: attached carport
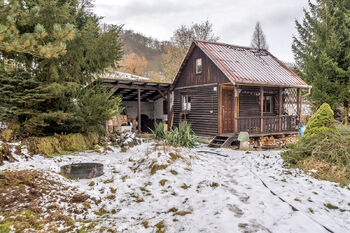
point(139, 91)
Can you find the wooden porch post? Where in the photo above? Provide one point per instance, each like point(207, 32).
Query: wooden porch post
point(299, 104)
point(139, 108)
point(280, 109)
point(235, 109)
point(169, 109)
point(261, 109)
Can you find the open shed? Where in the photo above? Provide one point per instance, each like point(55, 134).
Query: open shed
point(145, 102)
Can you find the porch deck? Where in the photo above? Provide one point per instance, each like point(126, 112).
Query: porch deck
point(271, 125)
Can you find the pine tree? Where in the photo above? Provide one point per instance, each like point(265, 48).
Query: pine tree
point(54, 101)
point(258, 40)
point(322, 52)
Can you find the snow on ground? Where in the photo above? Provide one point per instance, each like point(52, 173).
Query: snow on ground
point(155, 187)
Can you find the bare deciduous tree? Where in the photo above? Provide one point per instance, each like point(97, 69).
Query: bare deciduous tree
point(184, 35)
point(258, 40)
point(181, 41)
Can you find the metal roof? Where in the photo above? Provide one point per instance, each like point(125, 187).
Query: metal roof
point(243, 65)
point(122, 76)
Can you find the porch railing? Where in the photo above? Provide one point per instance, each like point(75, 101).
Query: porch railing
point(271, 124)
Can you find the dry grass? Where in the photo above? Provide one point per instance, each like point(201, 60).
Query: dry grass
point(160, 227)
point(111, 197)
point(325, 170)
point(162, 182)
point(23, 208)
point(185, 186)
point(176, 212)
point(156, 167)
point(173, 172)
point(61, 144)
point(214, 185)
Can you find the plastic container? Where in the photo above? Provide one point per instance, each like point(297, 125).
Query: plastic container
point(302, 130)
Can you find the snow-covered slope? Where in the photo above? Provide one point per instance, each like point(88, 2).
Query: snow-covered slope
point(154, 186)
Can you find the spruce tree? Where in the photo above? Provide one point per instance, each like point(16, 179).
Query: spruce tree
point(322, 52)
point(59, 79)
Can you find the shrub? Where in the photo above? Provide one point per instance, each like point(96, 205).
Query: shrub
point(158, 132)
point(322, 148)
point(182, 136)
point(326, 146)
point(321, 122)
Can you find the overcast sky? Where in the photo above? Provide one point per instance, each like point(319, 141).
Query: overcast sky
point(233, 20)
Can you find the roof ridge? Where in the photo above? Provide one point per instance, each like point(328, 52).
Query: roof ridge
point(230, 45)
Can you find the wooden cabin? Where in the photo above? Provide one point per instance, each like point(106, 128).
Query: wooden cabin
point(223, 89)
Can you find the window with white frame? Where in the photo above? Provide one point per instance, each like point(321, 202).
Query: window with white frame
point(199, 67)
point(186, 103)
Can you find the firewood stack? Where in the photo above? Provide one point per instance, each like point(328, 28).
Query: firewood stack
point(114, 125)
point(273, 142)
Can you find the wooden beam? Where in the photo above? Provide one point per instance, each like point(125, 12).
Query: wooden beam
point(235, 109)
point(169, 108)
point(135, 87)
point(114, 90)
point(194, 86)
point(261, 109)
point(280, 99)
point(299, 104)
point(220, 108)
point(139, 108)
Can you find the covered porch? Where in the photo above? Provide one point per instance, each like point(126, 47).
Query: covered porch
point(259, 110)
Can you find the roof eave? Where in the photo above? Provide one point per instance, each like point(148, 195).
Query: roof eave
point(272, 84)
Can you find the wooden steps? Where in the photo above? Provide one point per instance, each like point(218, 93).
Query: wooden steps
point(222, 141)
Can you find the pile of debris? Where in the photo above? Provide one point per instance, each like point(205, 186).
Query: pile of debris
point(124, 140)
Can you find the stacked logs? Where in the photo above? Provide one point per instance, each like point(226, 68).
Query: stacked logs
point(273, 142)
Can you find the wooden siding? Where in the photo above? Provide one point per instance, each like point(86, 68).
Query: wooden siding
point(204, 109)
point(210, 74)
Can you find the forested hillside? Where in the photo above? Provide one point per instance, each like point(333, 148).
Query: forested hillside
point(144, 47)
point(159, 60)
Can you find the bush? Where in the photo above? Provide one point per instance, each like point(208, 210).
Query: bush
point(182, 136)
point(322, 148)
point(158, 132)
point(321, 122)
point(326, 146)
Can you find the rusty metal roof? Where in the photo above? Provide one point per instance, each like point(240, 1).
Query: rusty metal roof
point(244, 65)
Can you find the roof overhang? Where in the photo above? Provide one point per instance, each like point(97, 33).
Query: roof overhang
point(128, 89)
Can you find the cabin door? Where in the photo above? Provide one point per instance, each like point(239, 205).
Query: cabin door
point(227, 110)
